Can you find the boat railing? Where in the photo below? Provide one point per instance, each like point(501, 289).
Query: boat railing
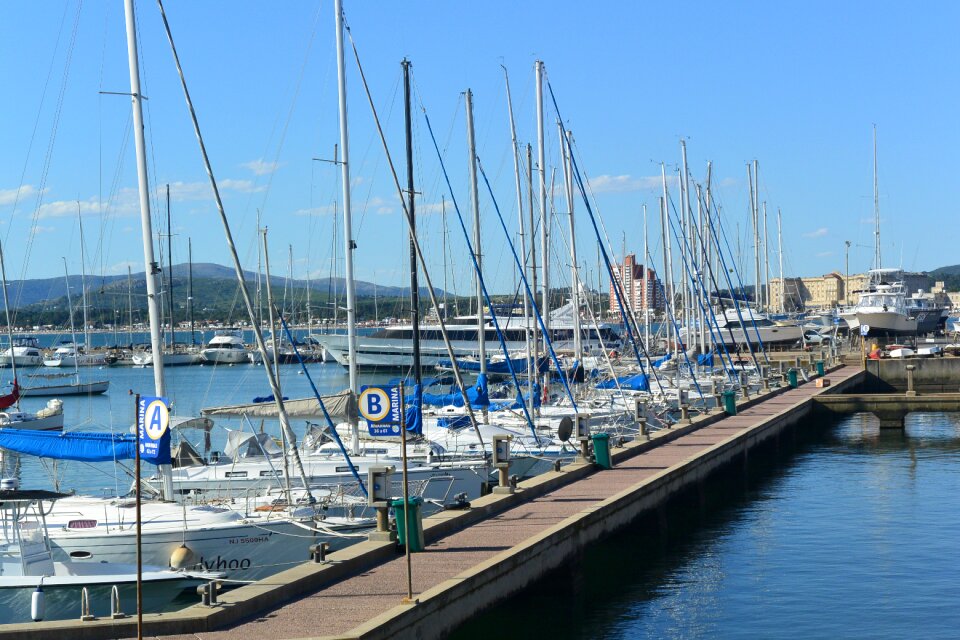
point(85, 614)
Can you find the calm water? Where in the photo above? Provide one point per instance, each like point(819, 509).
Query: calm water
point(848, 534)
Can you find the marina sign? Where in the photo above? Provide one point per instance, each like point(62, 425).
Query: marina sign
point(153, 432)
point(380, 406)
point(864, 329)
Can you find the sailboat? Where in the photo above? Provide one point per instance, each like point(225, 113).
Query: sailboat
point(71, 355)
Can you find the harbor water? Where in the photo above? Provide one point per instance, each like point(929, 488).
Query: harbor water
point(841, 532)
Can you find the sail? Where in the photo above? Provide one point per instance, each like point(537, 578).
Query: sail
point(76, 445)
point(338, 405)
point(9, 400)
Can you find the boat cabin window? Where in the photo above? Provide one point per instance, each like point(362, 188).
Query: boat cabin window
point(82, 524)
point(235, 474)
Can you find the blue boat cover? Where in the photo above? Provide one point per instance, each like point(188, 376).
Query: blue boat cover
point(705, 359)
point(660, 361)
point(90, 446)
point(478, 394)
point(636, 382)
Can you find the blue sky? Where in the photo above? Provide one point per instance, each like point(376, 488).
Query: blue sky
point(796, 86)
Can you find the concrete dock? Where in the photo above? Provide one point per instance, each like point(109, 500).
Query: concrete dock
point(476, 557)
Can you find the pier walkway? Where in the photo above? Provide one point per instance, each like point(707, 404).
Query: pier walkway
point(476, 557)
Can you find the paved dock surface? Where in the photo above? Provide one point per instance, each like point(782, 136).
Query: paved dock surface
point(354, 601)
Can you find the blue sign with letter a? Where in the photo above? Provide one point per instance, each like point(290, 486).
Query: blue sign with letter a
point(380, 406)
point(153, 430)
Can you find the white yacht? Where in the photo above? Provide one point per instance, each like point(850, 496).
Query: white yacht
point(26, 352)
point(29, 563)
point(882, 307)
point(754, 328)
point(392, 347)
point(225, 347)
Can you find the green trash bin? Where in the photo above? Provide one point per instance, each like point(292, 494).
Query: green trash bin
point(730, 402)
point(792, 378)
point(601, 450)
point(412, 527)
point(820, 367)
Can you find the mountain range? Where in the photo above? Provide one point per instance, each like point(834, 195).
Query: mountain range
point(28, 292)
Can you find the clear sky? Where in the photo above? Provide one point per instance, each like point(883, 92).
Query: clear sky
point(796, 86)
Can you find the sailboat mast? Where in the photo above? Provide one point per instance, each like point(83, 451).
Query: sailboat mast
point(173, 330)
point(669, 307)
point(412, 218)
point(533, 251)
point(73, 329)
point(783, 284)
point(151, 268)
point(527, 311)
point(349, 244)
point(544, 212)
point(6, 309)
point(876, 204)
point(130, 302)
point(83, 284)
point(574, 279)
point(766, 261)
point(475, 201)
point(646, 282)
point(190, 288)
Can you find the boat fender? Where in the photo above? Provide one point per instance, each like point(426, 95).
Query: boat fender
point(182, 557)
point(37, 604)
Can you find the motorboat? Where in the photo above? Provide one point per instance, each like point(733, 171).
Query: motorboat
point(29, 564)
point(225, 347)
point(69, 354)
point(26, 352)
point(737, 327)
point(882, 307)
point(392, 347)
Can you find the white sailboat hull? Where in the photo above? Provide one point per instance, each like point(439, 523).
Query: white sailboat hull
point(78, 389)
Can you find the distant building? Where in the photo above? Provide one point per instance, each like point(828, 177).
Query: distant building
point(831, 290)
point(638, 283)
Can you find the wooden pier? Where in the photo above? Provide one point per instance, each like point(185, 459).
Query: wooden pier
point(477, 557)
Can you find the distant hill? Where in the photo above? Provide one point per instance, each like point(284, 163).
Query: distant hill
point(25, 293)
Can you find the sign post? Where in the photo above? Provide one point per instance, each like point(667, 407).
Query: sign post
point(153, 443)
point(384, 409)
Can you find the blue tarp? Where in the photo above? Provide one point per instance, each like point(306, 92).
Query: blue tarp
point(77, 445)
point(660, 361)
point(478, 395)
point(636, 382)
point(705, 360)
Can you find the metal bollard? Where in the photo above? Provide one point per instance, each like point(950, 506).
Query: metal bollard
point(910, 390)
point(319, 551)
